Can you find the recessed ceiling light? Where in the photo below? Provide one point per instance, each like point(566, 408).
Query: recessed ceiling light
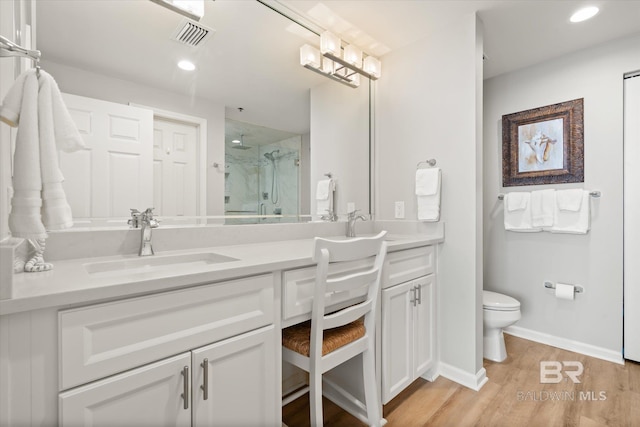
point(186, 65)
point(584, 14)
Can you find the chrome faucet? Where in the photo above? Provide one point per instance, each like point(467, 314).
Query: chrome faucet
point(146, 222)
point(351, 223)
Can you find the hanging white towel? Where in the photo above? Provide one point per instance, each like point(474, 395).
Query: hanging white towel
point(44, 125)
point(517, 201)
point(427, 181)
point(24, 219)
point(12, 103)
point(543, 204)
point(428, 186)
point(67, 136)
point(517, 213)
point(56, 212)
point(573, 221)
point(569, 200)
point(324, 196)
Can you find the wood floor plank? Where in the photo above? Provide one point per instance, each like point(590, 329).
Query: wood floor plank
point(513, 397)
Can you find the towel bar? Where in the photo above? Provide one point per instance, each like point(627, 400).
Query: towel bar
point(594, 193)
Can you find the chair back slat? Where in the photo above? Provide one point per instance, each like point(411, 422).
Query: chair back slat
point(347, 315)
point(352, 281)
point(348, 250)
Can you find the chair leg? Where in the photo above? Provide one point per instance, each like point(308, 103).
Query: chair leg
point(371, 388)
point(315, 398)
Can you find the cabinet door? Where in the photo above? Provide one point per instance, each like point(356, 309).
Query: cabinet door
point(397, 339)
point(148, 396)
point(424, 326)
point(240, 381)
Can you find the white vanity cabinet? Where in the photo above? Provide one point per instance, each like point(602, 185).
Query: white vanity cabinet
point(227, 383)
point(118, 362)
point(408, 320)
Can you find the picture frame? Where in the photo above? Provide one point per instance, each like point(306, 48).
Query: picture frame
point(544, 145)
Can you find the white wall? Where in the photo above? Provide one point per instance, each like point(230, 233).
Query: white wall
point(92, 85)
point(428, 106)
point(517, 263)
point(340, 143)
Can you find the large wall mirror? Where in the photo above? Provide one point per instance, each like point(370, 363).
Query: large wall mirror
point(244, 138)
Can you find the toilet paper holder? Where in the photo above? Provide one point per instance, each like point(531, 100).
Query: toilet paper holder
point(577, 288)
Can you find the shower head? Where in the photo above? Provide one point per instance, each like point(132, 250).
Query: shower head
point(239, 145)
point(271, 156)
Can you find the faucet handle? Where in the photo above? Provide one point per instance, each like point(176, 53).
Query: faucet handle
point(352, 214)
point(134, 221)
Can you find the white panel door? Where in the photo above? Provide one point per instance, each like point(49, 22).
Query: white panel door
point(175, 168)
point(240, 382)
point(115, 171)
point(424, 332)
point(152, 395)
point(632, 218)
point(397, 340)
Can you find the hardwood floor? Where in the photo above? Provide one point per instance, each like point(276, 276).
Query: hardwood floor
point(608, 395)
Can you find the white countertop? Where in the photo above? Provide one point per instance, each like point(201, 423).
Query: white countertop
point(69, 283)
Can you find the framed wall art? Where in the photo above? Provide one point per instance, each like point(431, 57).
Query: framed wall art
point(544, 145)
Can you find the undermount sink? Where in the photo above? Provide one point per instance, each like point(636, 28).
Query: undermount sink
point(155, 263)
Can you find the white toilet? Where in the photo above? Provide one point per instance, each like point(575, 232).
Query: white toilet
point(498, 312)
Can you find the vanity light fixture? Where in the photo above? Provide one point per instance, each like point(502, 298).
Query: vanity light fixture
point(193, 9)
point(186, 65)
point(584, 14)
point(344, 67)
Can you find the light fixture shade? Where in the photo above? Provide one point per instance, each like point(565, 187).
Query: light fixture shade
point(328, 66)
point(353, 55)
point(309, 55)
point(373, 66)
point(330, 43)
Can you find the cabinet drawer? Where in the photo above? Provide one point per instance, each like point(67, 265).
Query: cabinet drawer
point(298, 287)
point(409, 264)
point(100, 340)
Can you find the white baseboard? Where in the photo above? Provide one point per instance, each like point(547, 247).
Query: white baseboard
point(566, 344)
point(474, 382)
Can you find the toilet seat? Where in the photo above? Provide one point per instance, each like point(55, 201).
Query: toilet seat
point(499, 302)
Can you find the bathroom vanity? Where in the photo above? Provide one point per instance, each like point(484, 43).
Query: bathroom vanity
point(192, 339)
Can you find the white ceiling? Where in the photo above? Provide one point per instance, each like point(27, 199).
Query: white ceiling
point(252, 60)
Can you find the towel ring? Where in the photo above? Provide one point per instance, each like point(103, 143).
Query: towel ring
point(430, 162)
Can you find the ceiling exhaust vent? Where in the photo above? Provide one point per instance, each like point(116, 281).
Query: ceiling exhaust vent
point(192, 33)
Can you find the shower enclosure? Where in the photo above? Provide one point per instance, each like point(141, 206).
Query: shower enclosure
point(262, 175)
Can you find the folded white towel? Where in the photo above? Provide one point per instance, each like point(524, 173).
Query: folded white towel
point(569, 200)
point(429, 204)
point(570, 221)
point(56, 212)
point(427, 181)
point(24, 218)
point(543, 204)
point(518, 220)
point(517, 201)
point(324, 196)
